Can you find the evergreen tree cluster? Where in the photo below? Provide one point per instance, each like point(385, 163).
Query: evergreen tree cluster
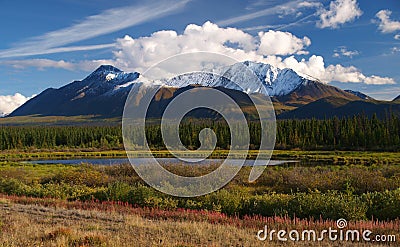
point(13, 137)
point(352, 133)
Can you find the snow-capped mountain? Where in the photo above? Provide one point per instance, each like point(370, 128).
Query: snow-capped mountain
point(283, 85)
point(105, 90)
point(105, 79)
point(243, 77)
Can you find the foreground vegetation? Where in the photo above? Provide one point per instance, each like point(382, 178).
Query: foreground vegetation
point(329, 192)
point(53, 222)
point(355, 133)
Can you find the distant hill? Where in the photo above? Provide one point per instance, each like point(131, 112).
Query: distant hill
point(359, 94)
point(397, 99)
point(340, 107)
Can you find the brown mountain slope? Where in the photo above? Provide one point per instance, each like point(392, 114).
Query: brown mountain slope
point(165, 95)
point(311, 91)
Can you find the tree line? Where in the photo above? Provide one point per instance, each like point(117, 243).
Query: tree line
point(351, 133)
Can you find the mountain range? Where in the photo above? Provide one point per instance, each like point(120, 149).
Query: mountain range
point(104, 92)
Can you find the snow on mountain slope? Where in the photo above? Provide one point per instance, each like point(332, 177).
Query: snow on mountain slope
point(243, 76)
point(107, 79)
point(358, 94)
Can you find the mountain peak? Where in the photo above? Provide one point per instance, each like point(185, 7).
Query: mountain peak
point(107, 68)
point(107, 72)
point(253, 65)
point(110, 74)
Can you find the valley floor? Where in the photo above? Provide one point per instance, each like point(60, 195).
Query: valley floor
point(77, 205)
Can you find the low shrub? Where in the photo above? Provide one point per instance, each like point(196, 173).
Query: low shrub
point(383, 205)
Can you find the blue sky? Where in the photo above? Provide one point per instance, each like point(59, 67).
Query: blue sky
point(347, 43)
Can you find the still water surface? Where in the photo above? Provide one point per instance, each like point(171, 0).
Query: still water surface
point(141, 161)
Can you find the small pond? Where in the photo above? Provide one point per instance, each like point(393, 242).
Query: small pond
point(141, 161)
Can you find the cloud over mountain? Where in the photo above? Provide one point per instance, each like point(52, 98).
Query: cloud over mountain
point(273, 47)
point(9, 103)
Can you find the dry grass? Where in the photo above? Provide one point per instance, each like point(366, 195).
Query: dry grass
point(38, 225)
point(31, 225)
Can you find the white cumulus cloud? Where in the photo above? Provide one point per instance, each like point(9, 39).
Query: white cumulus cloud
point(273, 47)
point(281, 43)
point(9, 103)
point(144, 52)
point(339, 12)
point(385, 24)
point(377, 80)
point(315, 67)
